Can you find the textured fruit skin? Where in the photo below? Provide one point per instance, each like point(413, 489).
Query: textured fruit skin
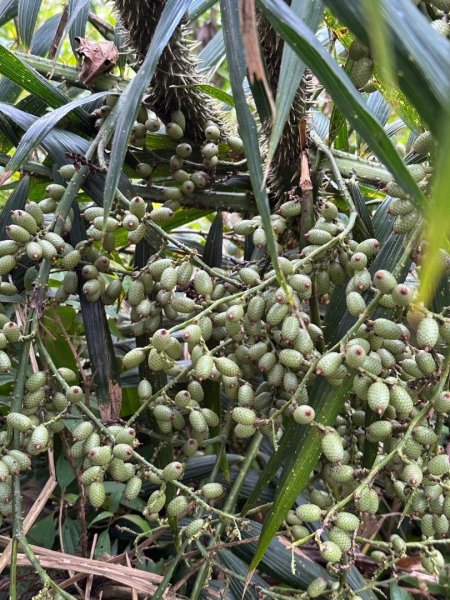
point(133, 487)
point(367, 501)
point(332, 446)
point(378, 397)
point(97, 494)
point(329, 364)
point(331, 552)
point(172, 471)
point(439, 465)
point(304, 415)
point(308, 512)
point(212, 490)
point(177, 506)
point(347, 521)
point(317, 587)
point(427, 333)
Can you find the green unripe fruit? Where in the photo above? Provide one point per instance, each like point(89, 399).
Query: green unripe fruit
point(355, 356)
point(121, 471)
point(11, 331)
point(7, 263)
point(25, 220)
point(194, 528)
point(331, 552)
point(403, 295)
point(83, 431)
point(442, 403)
point(398, 543)
point(33, 209)
point(212, 419)
point(210, 150)
point(259, 238)
point(244, 431)
point(161, 215)
point(133, 487)
point(378, 397)
point(22, 459)
point(243, 416)
point(203, 283)
point(308, 512)
point(440, 524)
point(427, 333)
point(332, 448)
point(92, 474)
point(379, 431)
point(212, 133)
point(183, 150)
point(36, 381)
point(227, 367)
point(100, 455)
point(347, 521)
point(33, 251)
point(341, 474)
point(412, 475)
point(55, 191)
point(40, 437)
point(74, 394)
point(67, 171)
point(341, 538)
point(317, 587)
point(425, 362)
point(144, 389)
point(174, 131)
point(304, 414)
point(18, 234)
point(361, 71)
point(172, 471)
point(357, 50)
point(291, 359)
point(401, 400)
point(367, 501)
point(433, 562)
point(19, 421)
point(97, 494)
point(329, 364)
point(123, 451)
point(68, 375)
point(133, 359)
point(355, 304)
point(425, 435)
point(204, 367)
point(198, 421)
point(211, 491)
point(177, 506)
point(439, 465)
point(156, 502)
point(70, 260)
point(387, 329)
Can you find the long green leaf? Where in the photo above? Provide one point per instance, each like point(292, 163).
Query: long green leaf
point(298, 454)
point(291, 72)
point(247, 126)
point(213, 92)
point(438, 223)
point(27, 17)
point(130, 101)
point(212, 56)
point(30, 80)
point(40, 128)
point(422, 55)
point(8, 10)
point(342, 90)
point(397, 593)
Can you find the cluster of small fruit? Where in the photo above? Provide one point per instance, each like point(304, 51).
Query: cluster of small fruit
point(44, 409)
point(187, 176)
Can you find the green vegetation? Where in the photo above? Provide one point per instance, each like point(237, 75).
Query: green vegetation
point(224, 299)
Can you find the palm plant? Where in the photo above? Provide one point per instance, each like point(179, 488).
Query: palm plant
point(224, 350)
